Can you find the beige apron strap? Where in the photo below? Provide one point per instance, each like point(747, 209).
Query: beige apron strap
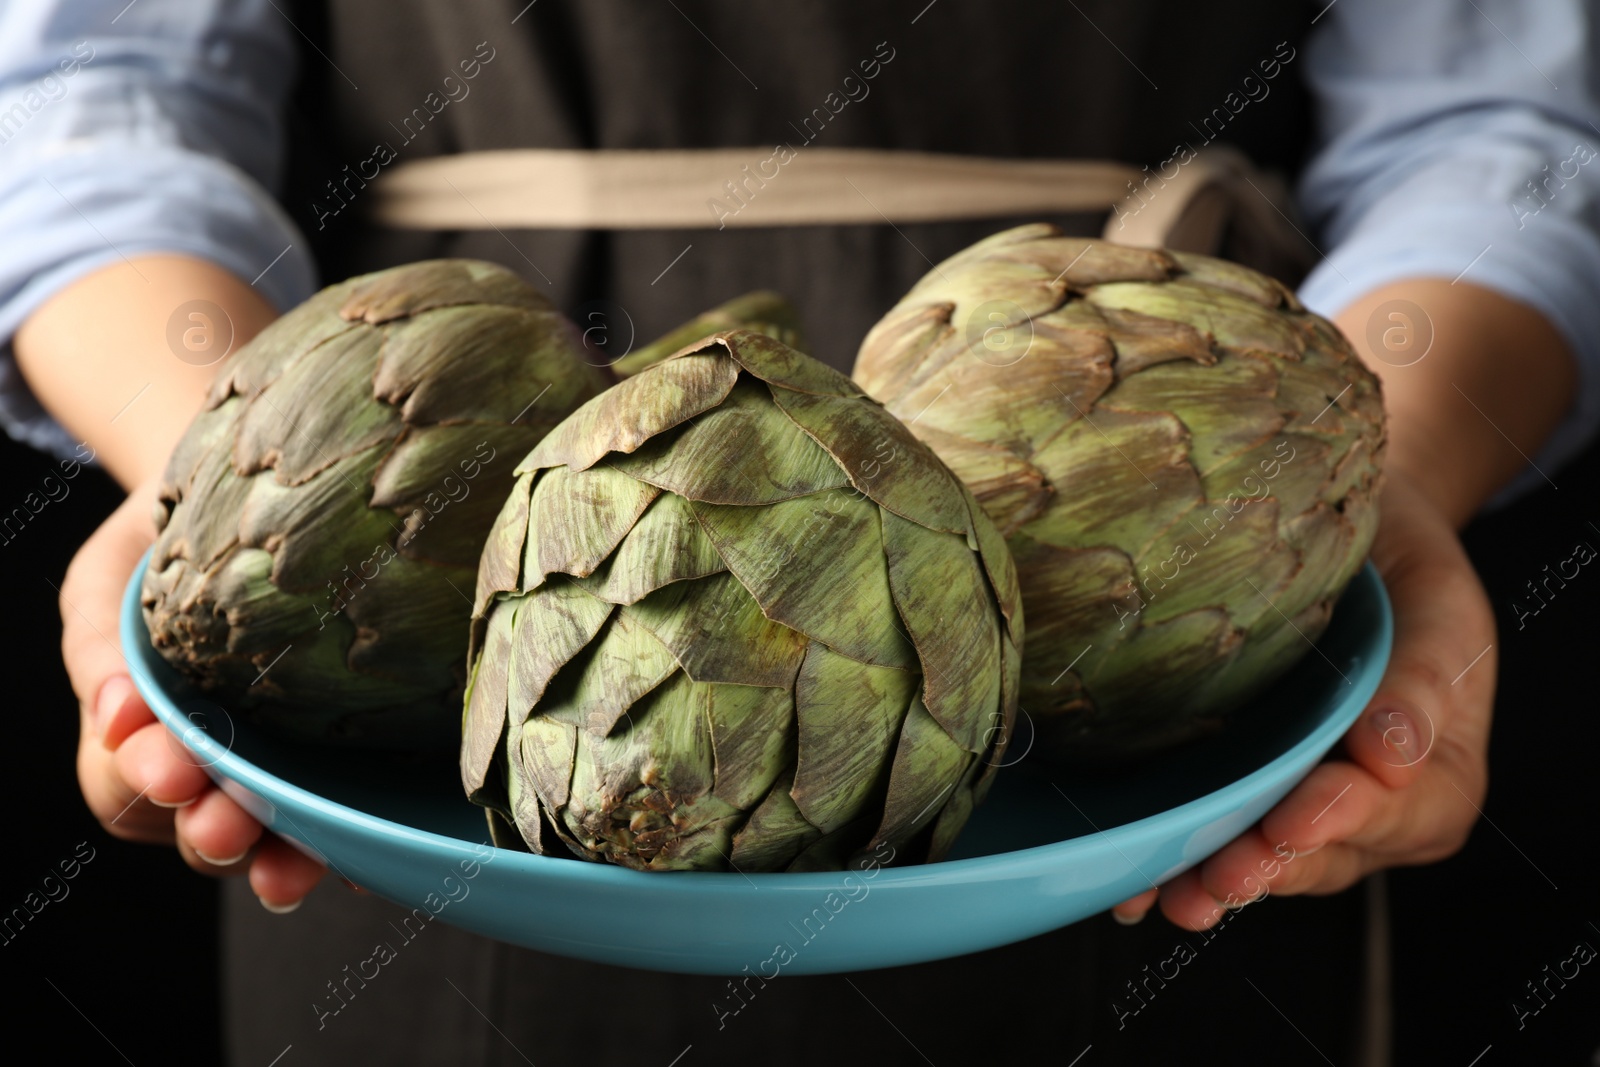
point(1218, 203)
point(540, 188)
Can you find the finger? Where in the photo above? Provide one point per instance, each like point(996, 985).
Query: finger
point(1134, 909)
point(116, 802)
point(1185, 902)
point(1395, 735)
point(1247, 868)
point(148, 761)
point(119, 711)
point(1338, 801)
point(1254, 867)
point(1441, 674)
point(91, 595)
point(281, 875)
point(216, 834)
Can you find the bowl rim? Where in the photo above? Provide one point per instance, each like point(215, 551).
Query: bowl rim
point(1025, 862)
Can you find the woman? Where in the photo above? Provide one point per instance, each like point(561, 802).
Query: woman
point(1445, 188)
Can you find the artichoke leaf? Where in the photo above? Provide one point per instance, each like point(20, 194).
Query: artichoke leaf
point(1220, 554)
point(480, 363)
point(1000, 744)
point(208, 434)
point(1010, 489)
point(500, 566)
point(1269, 648)
point(1085, 603)
point(666, 545)
point(1119, 478)
point(205, 523)
point(815, 564)
point(1143, 341)
point(751, 739)
point(928, 767)
point(396, 614)
point(1290, 468)
point(1227, 408)
point(260, 616)
point(975, 394)
point(882, 458)
point(445, 523)
point(417, 287)
point(292, 336)
point(1080, 262)
point(623, 664)
point(718, 633)
point(527, 815)
point(944, 598)
point(636, 409)
point(321, 532)
point(553, 624)
point(781, 366)
point(1324, 540)
point(1231, 321)
point(1242, 281)
point(775, 833)
point(762, 311)
point(953, 816)
point(742, 452)
point(1355, 472)
point(318, 412)
point(849, 716)
point(902, 344)
point(549, 748)
point(484, 723)
point(577, 518)
point(998, 566)
point(1190, 647)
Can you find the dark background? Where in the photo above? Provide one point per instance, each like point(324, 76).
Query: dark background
point(134, 944)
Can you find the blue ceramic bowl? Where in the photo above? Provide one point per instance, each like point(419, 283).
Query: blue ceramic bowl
point(1047, 849)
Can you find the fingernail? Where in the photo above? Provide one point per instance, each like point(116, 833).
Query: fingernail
point(1129, 920)
point(1308, 851)
point(1395, 726)
point(279, 909)
point(113, 694)
point(171, 803)
point(226, 861)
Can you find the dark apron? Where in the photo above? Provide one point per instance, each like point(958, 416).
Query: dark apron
point(1282, 982)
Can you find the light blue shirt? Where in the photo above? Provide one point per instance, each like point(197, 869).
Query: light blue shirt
point(1450, 134)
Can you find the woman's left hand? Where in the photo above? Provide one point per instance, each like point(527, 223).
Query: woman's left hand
point(1407, 785)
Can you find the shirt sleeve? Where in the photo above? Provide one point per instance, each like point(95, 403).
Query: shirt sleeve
point(127, 129)
point(1457, 139)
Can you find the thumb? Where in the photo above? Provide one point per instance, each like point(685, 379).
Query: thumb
point(1441, 674)
point(90, 600)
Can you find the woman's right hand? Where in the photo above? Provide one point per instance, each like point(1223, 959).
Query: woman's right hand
point(138, 779)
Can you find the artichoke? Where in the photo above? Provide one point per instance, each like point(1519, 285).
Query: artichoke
point(321, 520)
point(1183, 460)
point(762, 311)
point(735, 616)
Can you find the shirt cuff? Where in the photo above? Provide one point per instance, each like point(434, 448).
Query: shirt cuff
point(87, 208)
point(1551, 265)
